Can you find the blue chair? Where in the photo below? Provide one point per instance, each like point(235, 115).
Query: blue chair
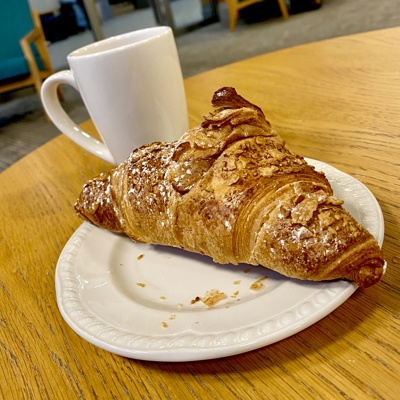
point(24, 58)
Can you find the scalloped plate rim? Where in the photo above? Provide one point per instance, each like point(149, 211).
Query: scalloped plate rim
point(195, 346)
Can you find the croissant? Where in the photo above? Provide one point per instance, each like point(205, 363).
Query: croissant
point(230, 189)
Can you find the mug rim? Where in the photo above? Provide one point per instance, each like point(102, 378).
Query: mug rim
point(117, 42)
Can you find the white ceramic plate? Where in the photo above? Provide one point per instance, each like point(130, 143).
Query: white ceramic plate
point(137, 300)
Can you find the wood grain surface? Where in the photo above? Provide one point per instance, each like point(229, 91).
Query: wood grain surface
point(337, 101)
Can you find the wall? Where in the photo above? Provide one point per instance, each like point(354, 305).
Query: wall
point(43, 6)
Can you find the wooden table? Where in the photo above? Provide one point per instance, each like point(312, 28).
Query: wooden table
point(337, 101)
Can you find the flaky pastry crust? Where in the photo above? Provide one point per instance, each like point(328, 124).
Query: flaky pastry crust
point(231, 189)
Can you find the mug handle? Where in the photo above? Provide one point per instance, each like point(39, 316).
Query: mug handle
point(63, 122)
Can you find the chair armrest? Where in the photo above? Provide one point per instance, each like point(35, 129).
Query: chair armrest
point(36, 35)
point(31, 36)
point(25, 44)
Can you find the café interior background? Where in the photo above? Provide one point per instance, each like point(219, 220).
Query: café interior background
point(260, 29)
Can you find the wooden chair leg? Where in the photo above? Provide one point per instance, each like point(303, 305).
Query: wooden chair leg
point(284, 9)
point(233, 17)
point(60, 94)
point(233, 12)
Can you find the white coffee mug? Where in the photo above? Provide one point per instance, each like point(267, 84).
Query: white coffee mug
point(132, 87)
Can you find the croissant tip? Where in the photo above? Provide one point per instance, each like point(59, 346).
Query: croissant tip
point(228, 97)
point(369, 275)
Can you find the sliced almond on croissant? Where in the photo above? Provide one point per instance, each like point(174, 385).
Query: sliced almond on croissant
point(232, 190)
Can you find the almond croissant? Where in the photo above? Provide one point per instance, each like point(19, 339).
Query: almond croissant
point(230, 189)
